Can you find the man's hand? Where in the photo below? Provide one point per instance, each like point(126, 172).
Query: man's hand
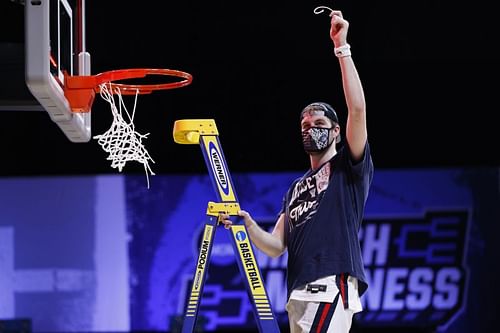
point(225, 219)
point(338, 28)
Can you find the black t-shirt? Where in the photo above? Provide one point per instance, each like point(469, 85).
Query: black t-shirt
point(323, 214)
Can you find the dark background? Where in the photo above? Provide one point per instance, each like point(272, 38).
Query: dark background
point(429, 69)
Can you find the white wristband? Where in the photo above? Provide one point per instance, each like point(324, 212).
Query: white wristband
point(343, 51)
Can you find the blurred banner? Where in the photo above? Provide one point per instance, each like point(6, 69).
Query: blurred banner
point(104, 253)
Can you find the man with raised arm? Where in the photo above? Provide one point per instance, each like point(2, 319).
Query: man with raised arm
point(322, 211)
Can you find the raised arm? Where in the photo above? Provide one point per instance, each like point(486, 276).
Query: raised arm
point(356, 132)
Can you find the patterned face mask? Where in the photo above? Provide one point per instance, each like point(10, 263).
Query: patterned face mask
point(316, 139)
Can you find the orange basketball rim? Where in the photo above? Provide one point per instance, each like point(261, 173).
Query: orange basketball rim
point(80, 90)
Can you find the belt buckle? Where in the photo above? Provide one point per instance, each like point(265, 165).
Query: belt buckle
point(315, 288)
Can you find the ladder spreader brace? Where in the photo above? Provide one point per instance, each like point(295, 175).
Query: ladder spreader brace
point(204, 132)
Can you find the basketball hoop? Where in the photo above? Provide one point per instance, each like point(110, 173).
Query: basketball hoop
point(80, 90)
point(121, 141)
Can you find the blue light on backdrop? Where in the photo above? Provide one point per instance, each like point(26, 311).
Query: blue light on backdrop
point(104, 253)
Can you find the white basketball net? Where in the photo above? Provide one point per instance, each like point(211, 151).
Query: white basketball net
point(121, 141)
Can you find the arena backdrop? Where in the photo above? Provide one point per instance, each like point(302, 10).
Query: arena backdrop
point(105, 253)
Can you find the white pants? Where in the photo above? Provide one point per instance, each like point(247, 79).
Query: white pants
point(318, 317)
point(328, 310)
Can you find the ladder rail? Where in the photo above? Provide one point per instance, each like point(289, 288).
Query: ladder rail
point(204, 132)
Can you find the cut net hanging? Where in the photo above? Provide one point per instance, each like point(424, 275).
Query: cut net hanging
point(121, 141)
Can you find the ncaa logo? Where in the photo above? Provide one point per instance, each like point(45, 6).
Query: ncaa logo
point(197, 280)
point(218, 168)
point(241, 236)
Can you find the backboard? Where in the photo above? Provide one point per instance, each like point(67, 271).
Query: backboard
point(55, 44)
